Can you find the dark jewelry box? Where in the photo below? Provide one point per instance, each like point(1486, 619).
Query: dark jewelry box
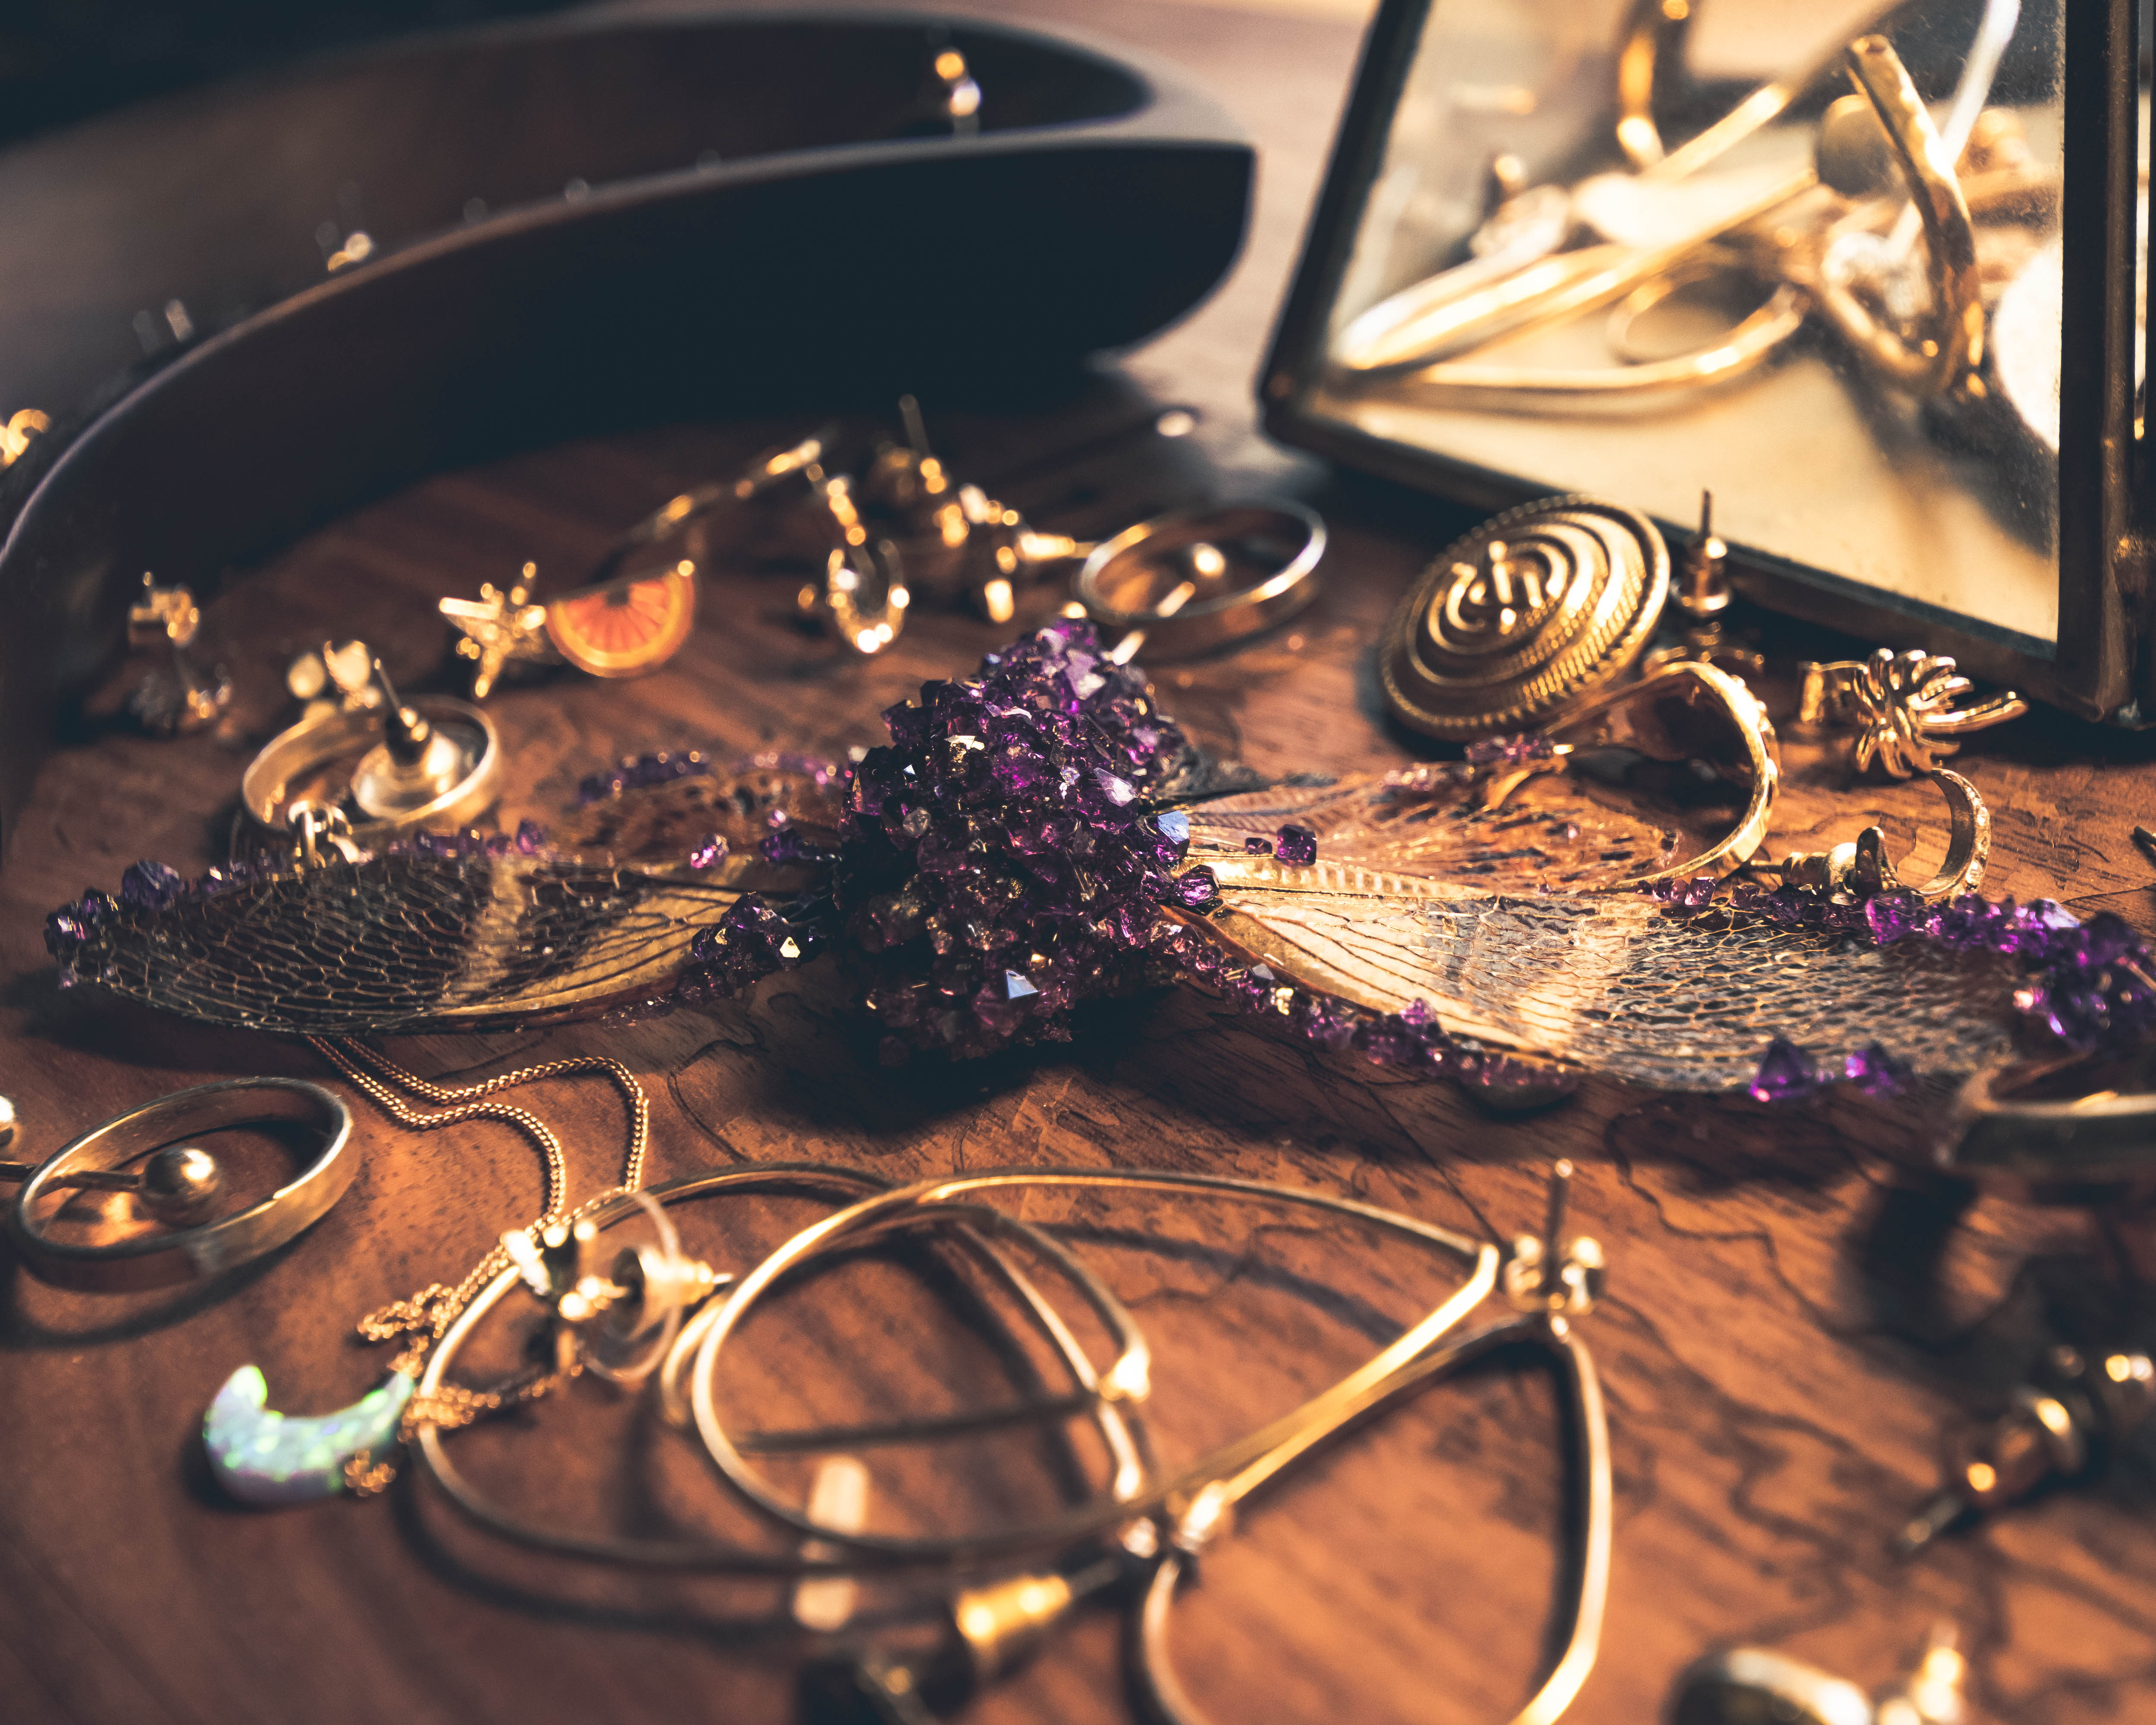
point(352, 274)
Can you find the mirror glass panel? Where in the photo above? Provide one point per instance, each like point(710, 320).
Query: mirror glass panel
point(1803, 255)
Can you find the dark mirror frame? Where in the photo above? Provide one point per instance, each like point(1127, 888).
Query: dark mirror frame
point(2104, 664)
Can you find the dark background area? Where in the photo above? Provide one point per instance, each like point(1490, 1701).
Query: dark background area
point(64, 60)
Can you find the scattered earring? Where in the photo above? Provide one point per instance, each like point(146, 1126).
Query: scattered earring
point(2064, 1424)
point(954, 537)
point(338, 675)
point(1548, 1275)
point(500, 629)
point(1701, 589)
point(625, 628)
point(1753, 1685)
point(1903, 708)
point(864, 595)
point(370, 774)
point(1862, 867)
point(614, 625)
point(179, 1185)
point(182, 697)
point(617, 1305)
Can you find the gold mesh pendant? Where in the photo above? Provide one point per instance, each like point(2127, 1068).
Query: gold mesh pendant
point(1524, 617)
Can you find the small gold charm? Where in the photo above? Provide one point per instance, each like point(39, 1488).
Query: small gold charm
point(500, 629)
point(1902, 707)
point(16, 432)
point(181, 697)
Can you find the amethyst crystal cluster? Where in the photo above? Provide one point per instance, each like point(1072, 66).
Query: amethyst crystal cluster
point(2088, 985)
point(1001, 859)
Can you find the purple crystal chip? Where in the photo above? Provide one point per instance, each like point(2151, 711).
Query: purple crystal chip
point(1873, 1070)
point(710, 853)
point(149, 886)
point(1895, 915)
point(1297, 845)
point(1197, 889)
point(1510, 751)
point(1695, 894)
point(1786, 1074)
point(1258, 847)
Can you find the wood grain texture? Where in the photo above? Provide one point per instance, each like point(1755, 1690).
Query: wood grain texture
point(1796, 1323)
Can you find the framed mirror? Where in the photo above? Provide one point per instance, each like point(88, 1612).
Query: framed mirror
point(1870, 273)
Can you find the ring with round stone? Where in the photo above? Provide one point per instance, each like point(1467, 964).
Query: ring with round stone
point(1196, 579)
point(178, 1185)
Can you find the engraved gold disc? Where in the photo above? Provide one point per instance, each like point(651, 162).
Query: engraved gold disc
point(1524, 617)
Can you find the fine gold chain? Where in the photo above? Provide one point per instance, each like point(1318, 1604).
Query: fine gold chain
point(422, 1319)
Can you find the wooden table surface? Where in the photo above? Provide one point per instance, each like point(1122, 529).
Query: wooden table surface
point(1795, 1329)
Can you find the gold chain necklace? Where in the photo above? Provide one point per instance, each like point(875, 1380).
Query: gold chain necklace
point(422, 1319)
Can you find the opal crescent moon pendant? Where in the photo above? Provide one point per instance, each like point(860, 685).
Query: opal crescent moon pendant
point(262, 1456)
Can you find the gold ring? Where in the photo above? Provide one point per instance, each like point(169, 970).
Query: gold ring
point(2100, 1134)
point(1173, 576)
point(154, 1261)
point(1673, 714)
point(1945, 360)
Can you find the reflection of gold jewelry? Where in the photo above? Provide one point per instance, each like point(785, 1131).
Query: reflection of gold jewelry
point(1950, 355)
point(1746, 345)
point(1204, 578)
point(1524, 618)
point(1901, 705)
point(1861, 866)
point(177, 1189)
point(1426, 327)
